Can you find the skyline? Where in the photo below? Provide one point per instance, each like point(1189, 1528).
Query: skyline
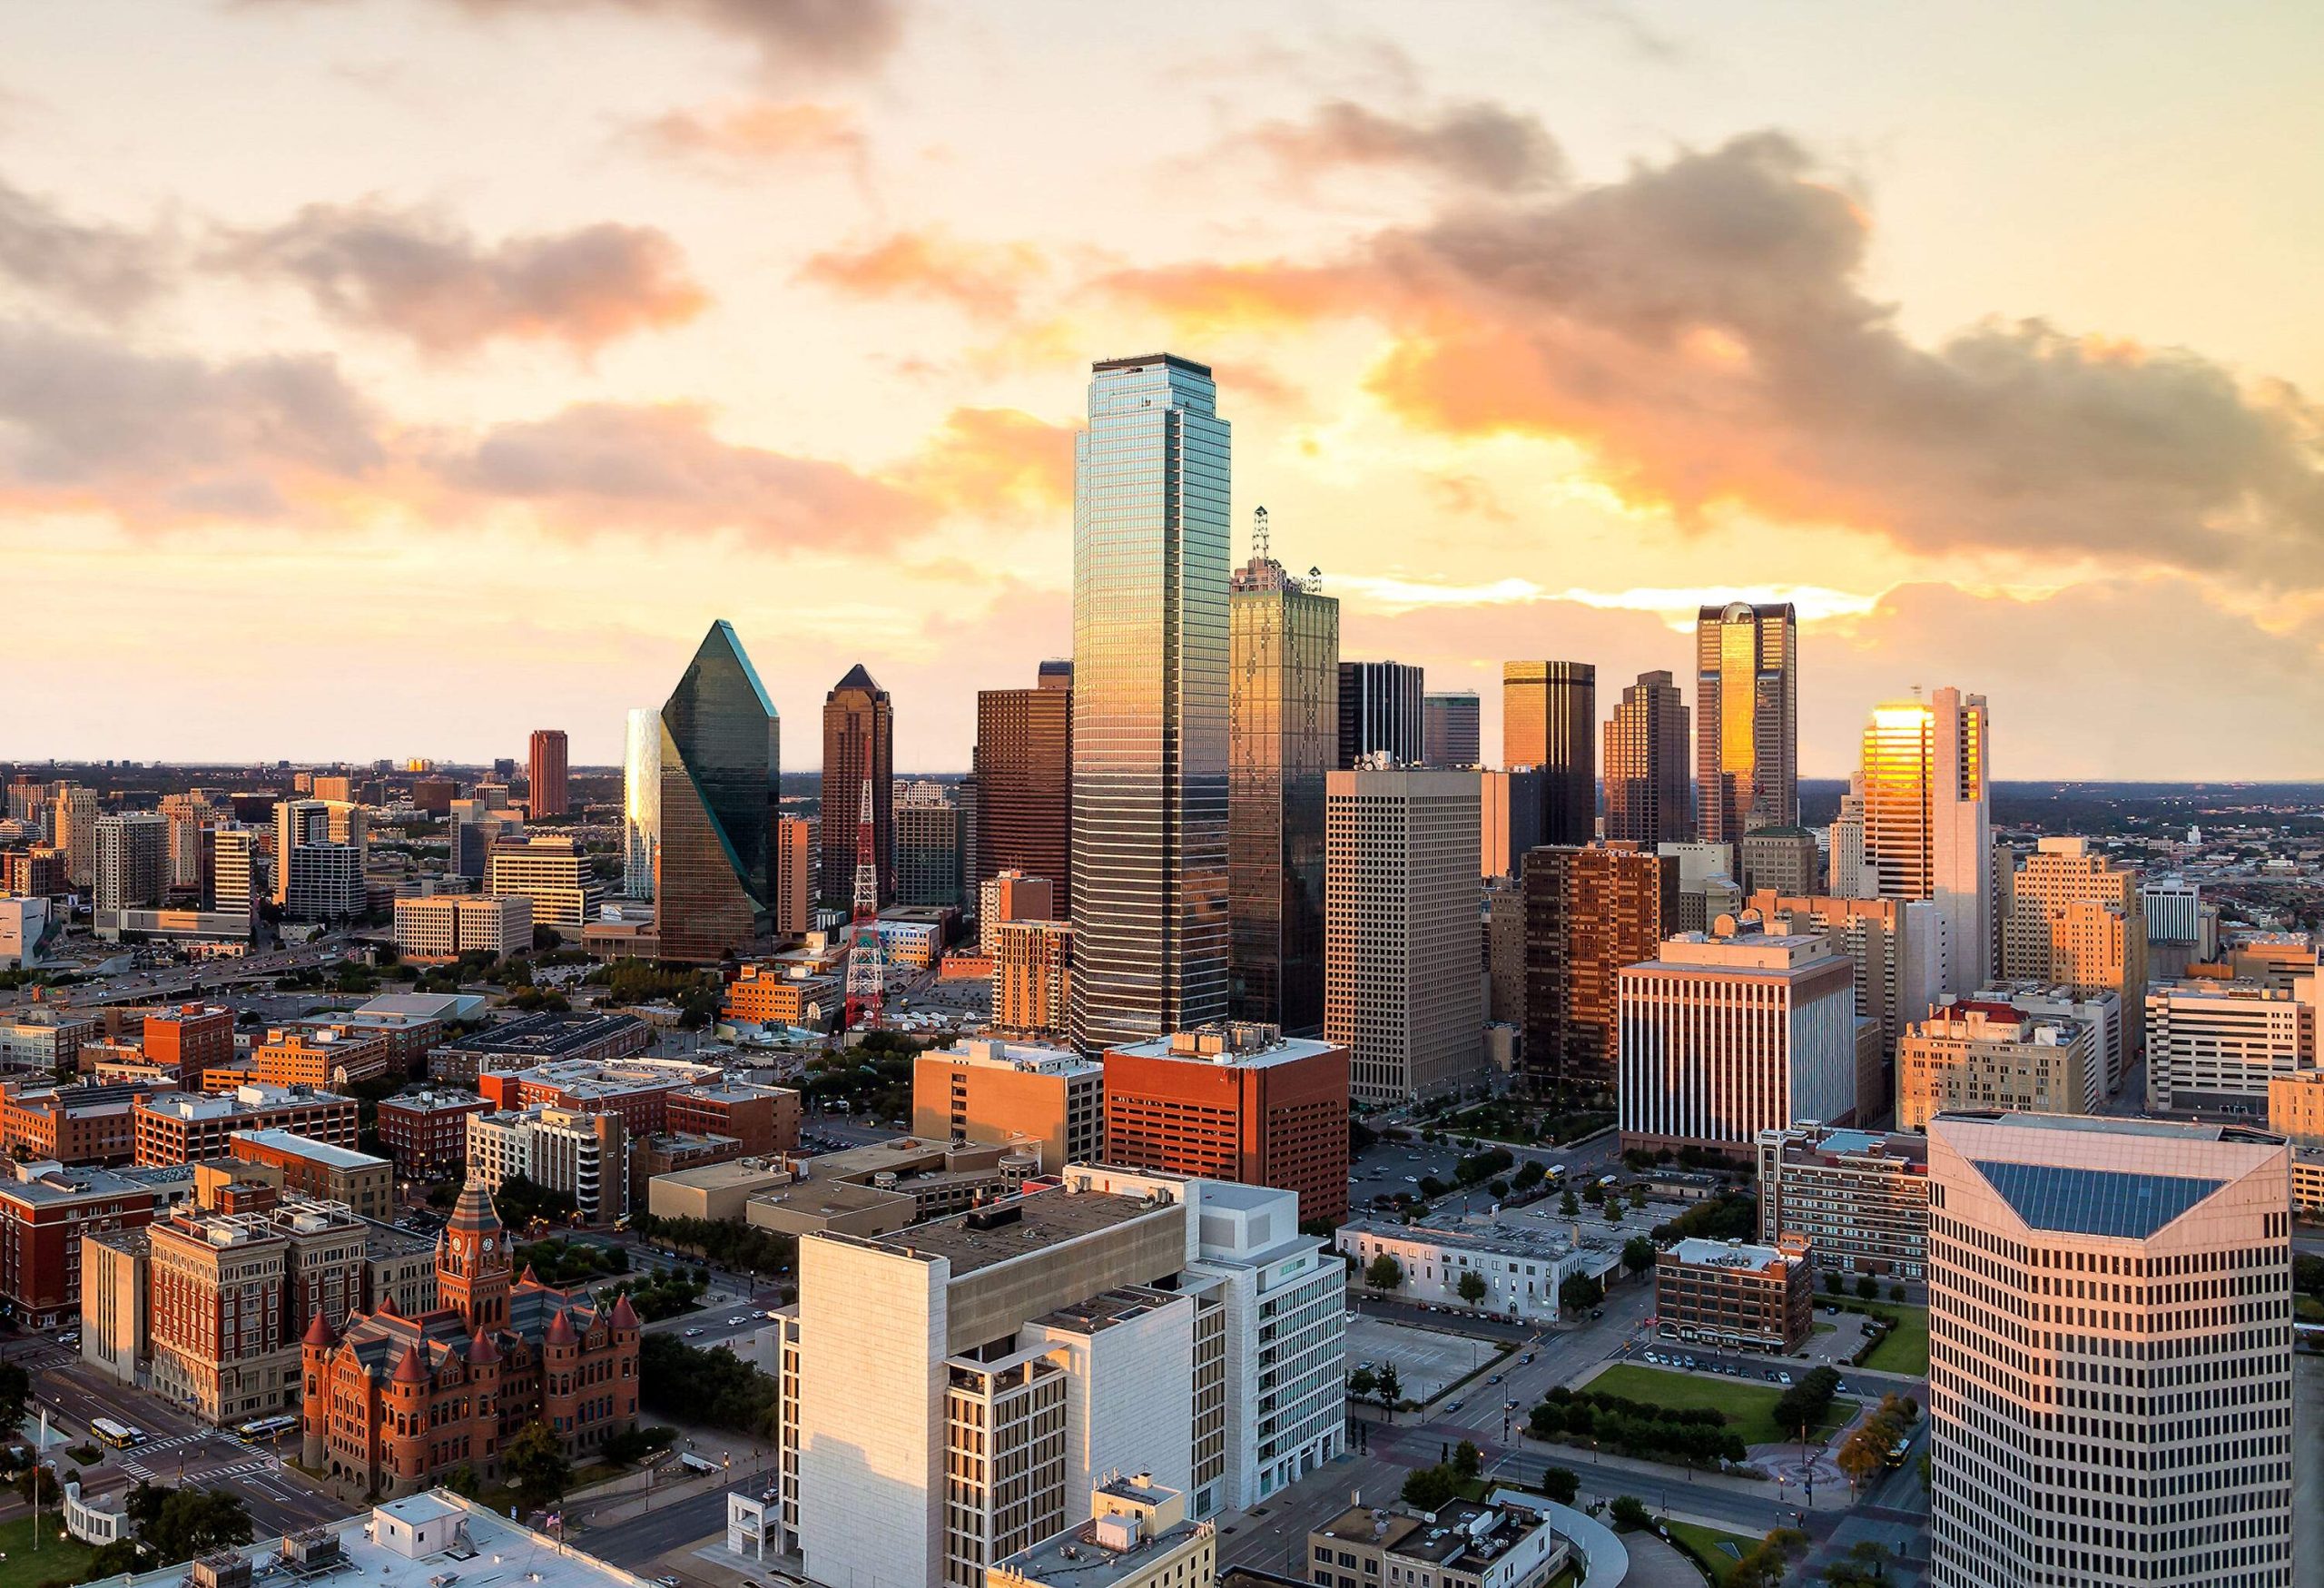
point(473, 314)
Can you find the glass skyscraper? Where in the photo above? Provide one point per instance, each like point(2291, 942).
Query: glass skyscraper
point(1549, 720)
point(1747, 720)
point(1150, 549)
point(641, 802)
point(1283, 705)
point(721, 762)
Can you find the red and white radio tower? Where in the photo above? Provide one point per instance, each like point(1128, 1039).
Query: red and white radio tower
point(866, 954)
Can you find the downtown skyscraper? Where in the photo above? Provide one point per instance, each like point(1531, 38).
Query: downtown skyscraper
point(1648, 801)
point(1928, 823)
point(859, 746)
point(1549, 720)
point(641, 802)
point(1747, 720)
point(1024, 777)
point(721, 762)
point(1150, 546)
point(1282, 736)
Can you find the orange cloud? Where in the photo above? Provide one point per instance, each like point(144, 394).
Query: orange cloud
point(756, 132)
point(1480, 146)
point(422, 278)
point(981, 278)
point(985, 457)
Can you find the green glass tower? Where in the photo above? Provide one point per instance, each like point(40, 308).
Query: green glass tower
point(721, 763)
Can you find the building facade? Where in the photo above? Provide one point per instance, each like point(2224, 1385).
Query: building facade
point(439, 929)
point(1589, 912)
point(1649, 789)
point(1032, 978)
point(1150, 549)
point(1858, 1198)
point(555, 873)
point(1282, 717)
point(1235, 1102)
point(1992, 1056)
point(988, 1089)
point(46, 1210)
point(2110, 1354)
point(928, 847)
point(858, 748)
point(1401, 989)
point(1380, 713)
point(132, 869)
point(721, 764)
point(1451, 729)
point(1549, 721)
point(1747, 719)
point(1927, 819)
point(1024, 773)
point(2073, 918)
point(427, 1132)
point(1743, 1298)
point(641, 802)
point(546, 774)
point(2218, 1046)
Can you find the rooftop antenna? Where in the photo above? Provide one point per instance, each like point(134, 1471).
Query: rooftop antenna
point(1259, 533)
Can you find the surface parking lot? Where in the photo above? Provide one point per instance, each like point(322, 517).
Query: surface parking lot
point(1426, 1360)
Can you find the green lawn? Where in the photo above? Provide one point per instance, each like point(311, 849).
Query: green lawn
point(1705, 1543)
point(61, 1558)
point(1748, 1405)
point(2308, 1309)
point(1906, 1349)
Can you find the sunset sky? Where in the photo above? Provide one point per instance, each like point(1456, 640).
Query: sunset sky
point(392, 376)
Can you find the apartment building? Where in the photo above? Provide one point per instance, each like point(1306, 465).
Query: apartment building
point(1234, 1102)
point(1032, 977)
point(2110, 1354)
point(2072, 917)
point(183, 1128)
point(989, 1090)
point(1858, 1198)
point(1741, 1297)
point(2217, 1045)
point(1724, 1037)
point(1972, 1055)
point(427, 1132)
point(362, 1183)
point(439, 929)
point(996, 1365)
point(583, 1154)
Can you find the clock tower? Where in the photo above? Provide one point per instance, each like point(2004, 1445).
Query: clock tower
point(472, 1262)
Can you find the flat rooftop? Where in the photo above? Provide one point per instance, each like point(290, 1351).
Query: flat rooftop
point(1230, 1046)
point(544, 1036)
point(1018, 1226)
point(1103, 1311)
point(1500, 1240)
point(1697, 1252)
point(322, 1152)
point(1075, 1559)
point(2109, 1125)
point(734, 1173)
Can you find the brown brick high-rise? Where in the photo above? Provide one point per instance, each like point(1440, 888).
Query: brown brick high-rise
point(1235, 1102)
point(859, 742)
point(1024, 768)
point(1588, 912)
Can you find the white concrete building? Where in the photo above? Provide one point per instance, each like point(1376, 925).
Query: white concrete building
point(1519, 1269)
point(583, 1155)
point(440, 927)
point(2215, 1045)
point(2110, 1353)
point(554, 874)
point(132, 861)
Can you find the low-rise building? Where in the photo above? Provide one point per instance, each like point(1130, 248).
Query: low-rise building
point(584, 1155)
point(781, 994)
point(1858, 1198)
point(2217, 1045)
point(719, 1189)
point(989, 1090)
point(439, 929)
point(2307, 1182)
point(365, 1185)
point(183, 1128)
point(1520, 1270)
point(319, 1056)
point(1462, 1545)
point(189, 1037)
point(1971, 1055)
point(1138, 1536)
point(638, 1090)
point(2295, 1107)
point(1234, 1100)
point(45, 1209)
point(427, 1131)
point(538, 1038)
point(763, 1118)
point(84, 1124)
point(1728, 1293)
point(868, 1190)
point(45, 1040)
point(667, 1153)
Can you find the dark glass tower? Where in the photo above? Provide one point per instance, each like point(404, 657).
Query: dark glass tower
point(1380, 712)
point(1548, 719)
point(714, 877)
point(1024, 775)
point(859, 742)
point(1150, 546)
point(1283, 737)
point(1648, 794)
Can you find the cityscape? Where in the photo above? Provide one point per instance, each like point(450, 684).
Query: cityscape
point(1693, 965)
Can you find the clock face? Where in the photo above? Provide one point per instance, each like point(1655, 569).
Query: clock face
point(487, 1243)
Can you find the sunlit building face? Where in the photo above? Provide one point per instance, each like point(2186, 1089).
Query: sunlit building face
point(713, 882)
point(1150, 549)
point(1747, 749)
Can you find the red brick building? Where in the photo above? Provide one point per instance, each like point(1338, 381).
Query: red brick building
point(191, 1036)
point(182, 1127)
point(1235, 1102)
point(763, 1118)
point(637, 1090)
point(69, 1124)
point(43, 1217)
point(427, 1132)
point(394, 1402)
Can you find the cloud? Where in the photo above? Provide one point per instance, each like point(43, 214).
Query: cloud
point(95, 269)
point(982, 279)
point(1480, 146)
point(754, 132)
point(812, 35)
point(424, 279)
point(157, 440)
point(605, 467)
point(985, 459)
point(1702, 330)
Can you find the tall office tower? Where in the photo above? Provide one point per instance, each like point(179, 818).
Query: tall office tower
point(1549, 721)
point(187, 814)
point(1032, 977)
point(1724, 1037)
point(474, 828)
point(641, 802)
point(713, 880)
point(75, 813)
point(132, 861)
point(231, 880)
point(968, 797)
point(1747, 719)
point(1786, 859)
point(1150, 548)
point(1648, 799)
point(794, 876)
point(1451, 729)
point(859, 745)
point(1234, 1102)
point(1927, 820)
point(546, 761)
point(1024, 772)
point(2073, 918)
point(1848, 873)
point(1380, 712)
point(1589, 912)
point(320, 852)
point(1282, 742)
point(1401, 987)
point(1504, 952)
point(2111, 1367)
point(27, 797)
point(928, 847)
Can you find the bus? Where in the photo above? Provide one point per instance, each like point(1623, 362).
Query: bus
point(119, 1436)
point(268, 1427)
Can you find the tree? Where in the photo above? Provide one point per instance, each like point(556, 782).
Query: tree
point(1391, 1389)
point(1568, 1205)
point(1472, 1288)
point(16, 1394)
point(1835, 1286)
point(1867, 1287)
point(1638, 1196)
point(462, 1481)
point(1896, 1292)
point(1361, 1383)
point(1579, 1292)
point(536, 1464)
point(1638, 1254)
point(1384, 1273)
point(38, 1476)
point(190, 1523)
point(1630, 1513)
point(1561, 1484)
point(1429, 1487)
point(1467, 1459)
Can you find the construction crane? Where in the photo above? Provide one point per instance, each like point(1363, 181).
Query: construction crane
point(867, 951)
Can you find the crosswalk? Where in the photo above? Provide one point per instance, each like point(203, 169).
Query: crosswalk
point(136, 1468)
